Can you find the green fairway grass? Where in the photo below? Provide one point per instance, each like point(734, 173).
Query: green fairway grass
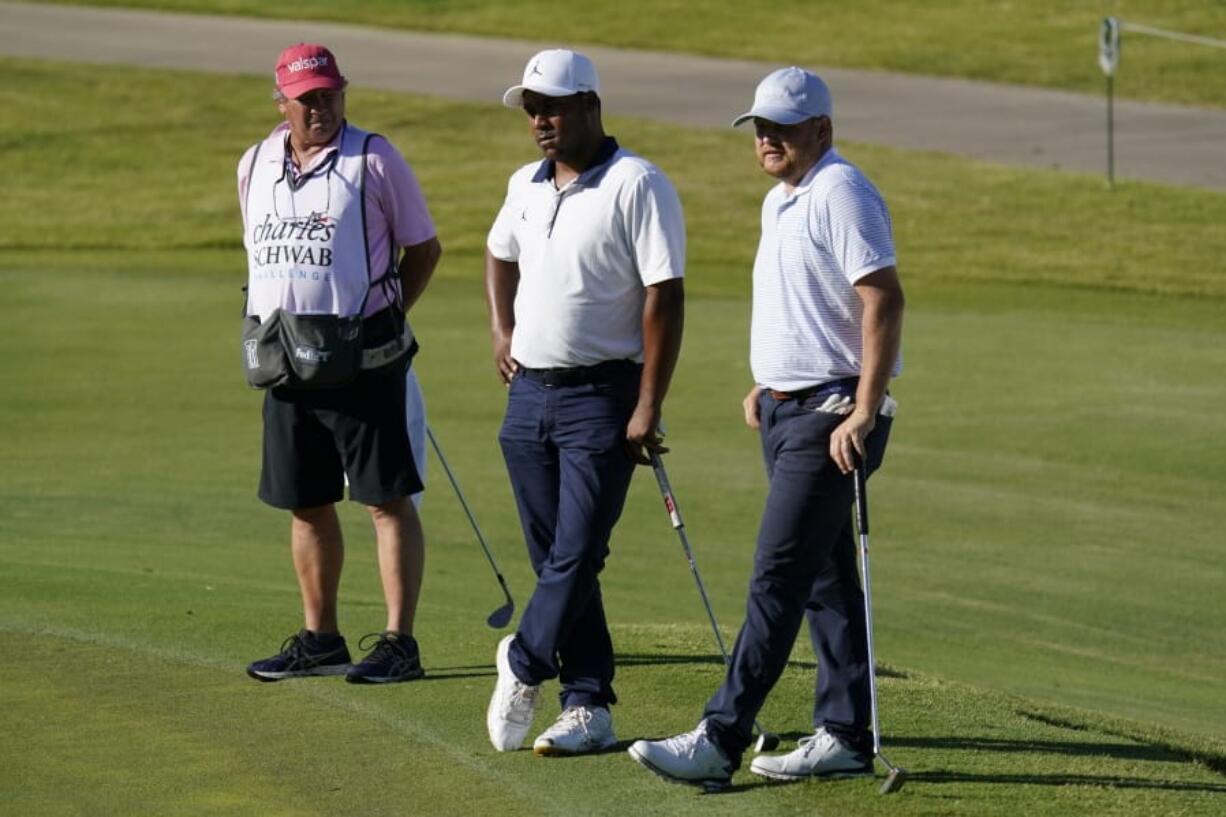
point(1046, 530)
point(1042, 42)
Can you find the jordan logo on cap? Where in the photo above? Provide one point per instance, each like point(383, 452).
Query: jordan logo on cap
point(536, 69)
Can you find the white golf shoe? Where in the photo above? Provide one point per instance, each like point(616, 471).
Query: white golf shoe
point(690, 758)
point(579, 730)
point(819, 755)
point(512, 706)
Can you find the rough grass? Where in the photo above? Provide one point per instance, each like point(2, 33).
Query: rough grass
point(1042, 42)
point(955, 220)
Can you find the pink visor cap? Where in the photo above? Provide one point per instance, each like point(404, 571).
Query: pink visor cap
point(788, 96)
point(554, 72)
point(306, 67)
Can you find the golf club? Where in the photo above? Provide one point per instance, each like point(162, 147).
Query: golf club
point(896, 776)
point(502, 616)
point(767, 741)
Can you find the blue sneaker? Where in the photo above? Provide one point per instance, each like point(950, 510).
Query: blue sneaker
point(393, 657)
point(304, 654)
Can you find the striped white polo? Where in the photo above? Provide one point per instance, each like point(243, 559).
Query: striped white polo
point(817, 241)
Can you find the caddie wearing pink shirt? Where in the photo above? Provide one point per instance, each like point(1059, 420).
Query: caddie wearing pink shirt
point(340, 245)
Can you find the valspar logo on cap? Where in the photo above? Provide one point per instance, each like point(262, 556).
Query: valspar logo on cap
point(308, 62)
point(307, 67)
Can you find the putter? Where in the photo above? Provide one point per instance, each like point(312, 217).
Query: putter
point(767, 741)
point(502, 616)
point(896, 776)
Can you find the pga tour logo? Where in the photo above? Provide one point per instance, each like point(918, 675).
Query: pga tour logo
point(253, 360)
point(304, 63)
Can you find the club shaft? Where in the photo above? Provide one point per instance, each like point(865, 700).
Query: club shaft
point(862, 530)
point(674, 514)
point(471, 519)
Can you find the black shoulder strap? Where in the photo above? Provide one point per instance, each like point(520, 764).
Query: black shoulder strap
point(389, 279)
point(362, 196)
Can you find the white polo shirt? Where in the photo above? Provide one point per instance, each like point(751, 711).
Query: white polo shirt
point(817, 241)
point(585, 254)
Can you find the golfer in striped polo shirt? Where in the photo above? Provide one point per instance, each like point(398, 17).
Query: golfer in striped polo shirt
point(824, 343)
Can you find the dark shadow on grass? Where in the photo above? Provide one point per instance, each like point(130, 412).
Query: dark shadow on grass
point(882, 671)
point(1122, 751)
point(643, 659)
point(1215, 760)
point(939, 776)
point(445, 673)
point(620, 746)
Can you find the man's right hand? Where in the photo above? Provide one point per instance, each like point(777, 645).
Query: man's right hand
point(750, 404)
point(504, 364)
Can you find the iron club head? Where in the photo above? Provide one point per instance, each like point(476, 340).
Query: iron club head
point(502, 616)
point(767, 742)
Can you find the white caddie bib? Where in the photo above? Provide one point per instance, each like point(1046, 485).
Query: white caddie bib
point(306, 239)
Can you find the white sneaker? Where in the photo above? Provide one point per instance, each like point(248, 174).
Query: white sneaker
point(579, 730)
point(690, 758)
point(512, 706)
point(820, 755)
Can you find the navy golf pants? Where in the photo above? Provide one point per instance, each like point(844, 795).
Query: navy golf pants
point(566, 455)
point(804, 566)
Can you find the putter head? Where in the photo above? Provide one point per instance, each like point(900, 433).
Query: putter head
point(894, 780)
point(767, 742)
point(502, 616)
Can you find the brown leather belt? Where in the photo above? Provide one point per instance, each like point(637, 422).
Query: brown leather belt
point(782, 396)
point(801, 394)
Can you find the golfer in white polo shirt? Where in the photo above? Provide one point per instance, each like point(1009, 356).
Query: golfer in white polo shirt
point(824, 342)
point(583, 275)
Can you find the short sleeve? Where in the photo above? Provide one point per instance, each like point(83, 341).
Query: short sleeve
point(656, 228)
point(501, 240)
point(399, 194)
point(859, 232)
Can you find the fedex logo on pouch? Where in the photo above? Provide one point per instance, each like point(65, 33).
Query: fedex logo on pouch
point(308, 354)
point(305, 63)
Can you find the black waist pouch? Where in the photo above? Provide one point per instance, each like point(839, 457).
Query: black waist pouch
point(302, 351)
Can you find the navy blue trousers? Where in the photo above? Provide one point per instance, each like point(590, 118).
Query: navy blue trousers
point(804, 567)
point(565, 450)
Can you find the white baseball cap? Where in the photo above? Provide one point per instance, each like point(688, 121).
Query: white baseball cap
point(554, 72)
point(788, 96)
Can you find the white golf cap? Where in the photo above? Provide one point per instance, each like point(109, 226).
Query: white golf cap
point(554, 72)
point(788, 96)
